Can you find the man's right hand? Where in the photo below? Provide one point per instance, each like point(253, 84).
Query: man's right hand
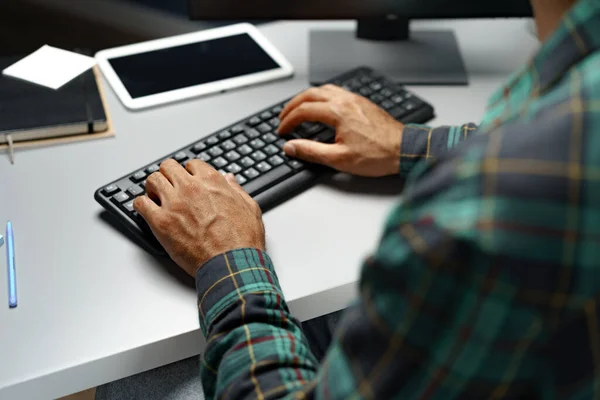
point(367, 141)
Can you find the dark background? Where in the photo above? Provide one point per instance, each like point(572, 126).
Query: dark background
point(24, 26)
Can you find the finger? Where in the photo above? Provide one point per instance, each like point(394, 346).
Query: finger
point(197, 167)
point(234, 185)
point(146, 208)
point(310, 95)
point(315, 112)
point(158, 187)
point(173, 171)
point(315, 152)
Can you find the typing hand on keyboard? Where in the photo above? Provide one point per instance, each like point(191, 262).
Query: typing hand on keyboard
point(367, 138)
point(201, 214)
point(367, 142)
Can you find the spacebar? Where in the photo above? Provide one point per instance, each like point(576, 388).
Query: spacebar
point(264, 181)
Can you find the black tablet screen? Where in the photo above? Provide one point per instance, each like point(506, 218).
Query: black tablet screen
point(193, 64)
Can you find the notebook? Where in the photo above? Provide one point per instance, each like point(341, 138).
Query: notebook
point(31, 112)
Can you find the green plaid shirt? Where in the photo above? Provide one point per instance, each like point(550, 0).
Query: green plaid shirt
point(487, 278)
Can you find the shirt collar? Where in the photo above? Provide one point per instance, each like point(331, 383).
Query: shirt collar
point(577, 36)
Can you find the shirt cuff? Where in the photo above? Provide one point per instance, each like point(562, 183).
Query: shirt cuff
point(223, 281)
point(412, 149)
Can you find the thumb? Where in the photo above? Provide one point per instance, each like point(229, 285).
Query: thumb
point(314, 152)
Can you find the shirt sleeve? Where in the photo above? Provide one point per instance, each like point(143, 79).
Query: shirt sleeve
point(420, 142)
point(448, 306)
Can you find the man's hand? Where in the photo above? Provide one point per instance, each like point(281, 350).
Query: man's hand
point(201, 214)
point(367, 138)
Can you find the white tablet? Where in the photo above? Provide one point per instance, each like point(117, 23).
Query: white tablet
point(175, 68)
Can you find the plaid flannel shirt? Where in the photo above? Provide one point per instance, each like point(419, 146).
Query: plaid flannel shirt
point(487, 277)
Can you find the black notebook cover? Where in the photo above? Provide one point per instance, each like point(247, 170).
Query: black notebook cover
point(30, 111)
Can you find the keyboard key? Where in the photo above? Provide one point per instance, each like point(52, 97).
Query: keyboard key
point(274, 122)
point(247, 162)
point(110, 190)
point(277, 110)
point(233, 168)
point(297, 165)
point(280, 143)
point(254, 121)
point(129, 206)
point(252, 133)
point(397, 99)
point(264, 128)
point(268, 179)
point(366, 91)
point(222, 172)
point(266, 115)
point(275, 161)
point(398, 112)
point(152, 169)
point(198, 147)
point(355, 84)
point(269, 138)
point(224, 135)
point(245, 149)
point(219, 162)
point(228, 145)
point(240, 139)
point(121, 197)
point(365, 79)
point(376, 86)
point(215, 151)
point(409, 105)
point(237, 130)
point(257, 144)
point(204, 156)
point(388, 104)
point(240, 179)
point(143, 184)
point(180, 156)
point(232, 156)
point(386, 92)
point(138, 177)
point(212, 140)
point(263, 166)
point(271, 149)
point(251, 173)
point(135, 191)
point(325, 136)
point(258, 156)
point(313, 129)
point(377, 98)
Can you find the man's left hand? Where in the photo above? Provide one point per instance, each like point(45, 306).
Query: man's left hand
point(196, 213)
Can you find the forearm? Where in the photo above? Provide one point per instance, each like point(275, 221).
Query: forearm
point(420, 142)
point(255, 348)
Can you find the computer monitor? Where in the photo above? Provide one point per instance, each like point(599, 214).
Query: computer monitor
point(383, 39)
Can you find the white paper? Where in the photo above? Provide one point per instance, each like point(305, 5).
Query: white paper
point(50, 67)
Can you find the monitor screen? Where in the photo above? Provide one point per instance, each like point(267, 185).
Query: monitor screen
point(193, 64)
point(356, 9)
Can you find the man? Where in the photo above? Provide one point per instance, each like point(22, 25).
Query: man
point(486, 280)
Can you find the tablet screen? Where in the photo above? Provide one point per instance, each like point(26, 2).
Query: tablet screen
point(192, 64)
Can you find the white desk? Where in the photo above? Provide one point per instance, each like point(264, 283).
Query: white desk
point(95, 307)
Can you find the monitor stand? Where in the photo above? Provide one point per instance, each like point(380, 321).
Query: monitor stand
point(389, 46)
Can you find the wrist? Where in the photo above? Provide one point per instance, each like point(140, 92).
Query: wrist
point(393, 164)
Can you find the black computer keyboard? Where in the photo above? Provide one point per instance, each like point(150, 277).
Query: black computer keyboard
point(252, 151)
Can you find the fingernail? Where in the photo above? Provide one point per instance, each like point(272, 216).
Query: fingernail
point(289, 149)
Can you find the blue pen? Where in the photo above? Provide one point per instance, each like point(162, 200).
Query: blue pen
point(10, 262)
